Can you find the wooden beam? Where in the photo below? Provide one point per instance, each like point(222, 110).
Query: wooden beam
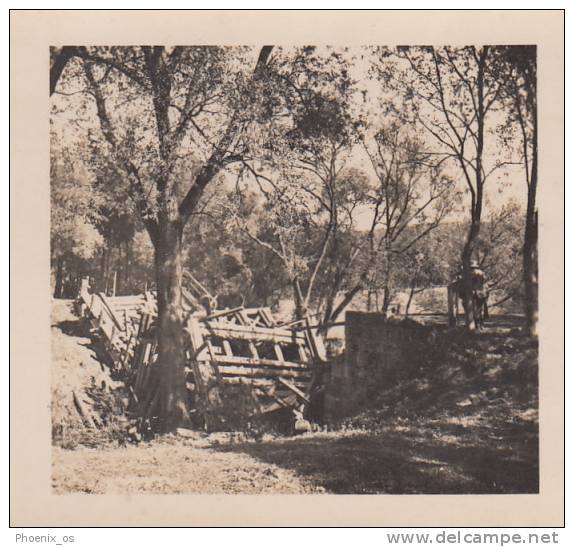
point(315, 343)
point(109, 310)
point(204, 371)
point(260, 372)
point(280, 402)
point(279, 352)
point(294, 389)
point(259, 334)
point(252, 362)
point(222, 313)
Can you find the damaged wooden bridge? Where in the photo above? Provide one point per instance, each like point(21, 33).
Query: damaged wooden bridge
point(278, 365)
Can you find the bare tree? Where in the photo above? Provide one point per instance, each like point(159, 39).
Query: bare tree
point(453, 94)
point(299, 178)
point(411, 197)
point(298, 219)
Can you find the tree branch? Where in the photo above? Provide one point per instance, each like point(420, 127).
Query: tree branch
point(136, 188)
point(217, 159)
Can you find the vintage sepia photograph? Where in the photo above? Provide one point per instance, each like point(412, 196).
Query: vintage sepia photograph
point(287, 268)
point(294, 270)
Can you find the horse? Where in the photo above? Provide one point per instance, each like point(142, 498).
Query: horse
point(479, 302)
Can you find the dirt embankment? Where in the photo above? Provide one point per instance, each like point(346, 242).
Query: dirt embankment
point(467, 413)
point(87, 403)
point(488, 375)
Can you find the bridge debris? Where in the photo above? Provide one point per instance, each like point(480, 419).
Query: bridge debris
point(277, 365)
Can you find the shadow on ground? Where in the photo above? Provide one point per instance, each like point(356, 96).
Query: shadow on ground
point(430, 458)
point(80, 329)
point(464, 421)
point(74, 327)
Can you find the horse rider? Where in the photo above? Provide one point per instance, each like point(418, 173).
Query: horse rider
point(477, 276)
point(479, 288)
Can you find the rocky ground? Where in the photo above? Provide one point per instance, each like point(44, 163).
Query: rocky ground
point(467, 424)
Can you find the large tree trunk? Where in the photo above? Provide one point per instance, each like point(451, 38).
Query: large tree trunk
point(173, 407)
point(530, 267)
point(530, 249)
point(59, 284)
point(467, 300)
point(386, 299)
point(300, 308)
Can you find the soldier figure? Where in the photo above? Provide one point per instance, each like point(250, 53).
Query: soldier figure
point(479, 293)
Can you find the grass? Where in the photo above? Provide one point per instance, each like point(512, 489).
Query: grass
point(424, 456)
point(419, 460)
point(170, 467)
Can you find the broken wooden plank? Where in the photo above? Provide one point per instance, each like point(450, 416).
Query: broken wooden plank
point(315, 343)
point(261, 372)
point(294, 389)
point(252, 382)
point(267, 316)
point(252, 362)
point(259, 334)
point(109, 310)
point(204, 373)
point(222, 313)
point(290, 324)
point(227, 348)
point(288, 401)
